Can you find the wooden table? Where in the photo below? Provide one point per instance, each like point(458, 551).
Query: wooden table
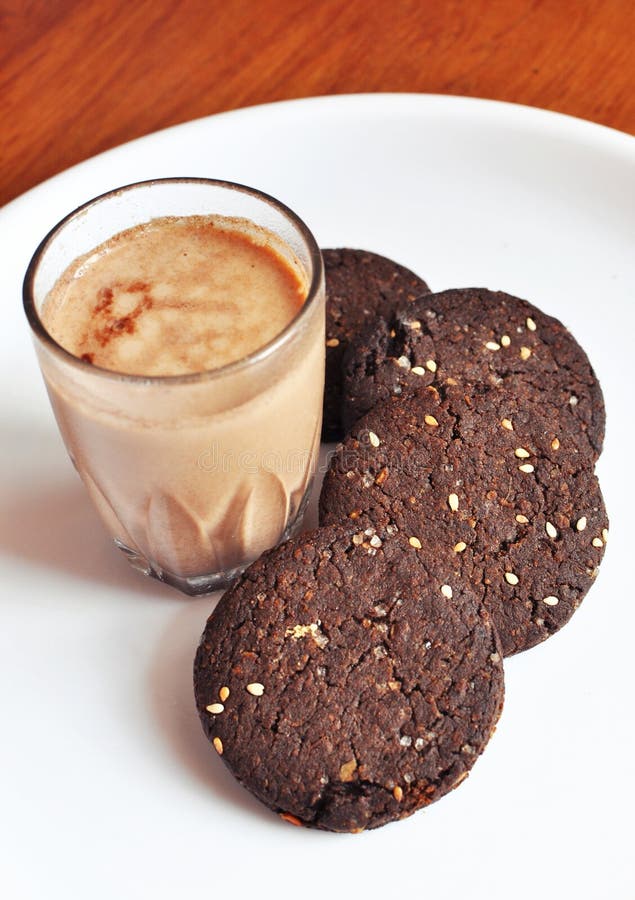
point(80, 76)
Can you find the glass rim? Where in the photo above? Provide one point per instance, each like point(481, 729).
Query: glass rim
point(245, 362)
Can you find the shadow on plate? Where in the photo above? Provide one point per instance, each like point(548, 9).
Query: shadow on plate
point(48, 520)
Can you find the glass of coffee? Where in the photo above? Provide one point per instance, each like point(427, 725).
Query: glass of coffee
point(179, 327)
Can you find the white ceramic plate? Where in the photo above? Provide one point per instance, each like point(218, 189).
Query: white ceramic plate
point(108, 787)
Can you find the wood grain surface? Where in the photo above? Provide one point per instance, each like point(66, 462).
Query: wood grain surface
point(80, 76)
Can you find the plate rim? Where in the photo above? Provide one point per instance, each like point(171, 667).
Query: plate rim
point(508, 112)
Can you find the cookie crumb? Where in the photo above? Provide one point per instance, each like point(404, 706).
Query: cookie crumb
point(347, 770)
point(299, 631)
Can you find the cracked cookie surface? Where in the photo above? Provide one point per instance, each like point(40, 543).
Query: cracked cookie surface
point(473, 335)
point(360, 286)
point(360, 679)
point(489, 479)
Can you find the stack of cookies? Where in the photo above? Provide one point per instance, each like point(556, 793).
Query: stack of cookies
point(353, 675)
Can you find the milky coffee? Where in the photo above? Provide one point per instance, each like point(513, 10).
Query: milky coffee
point(200, 473)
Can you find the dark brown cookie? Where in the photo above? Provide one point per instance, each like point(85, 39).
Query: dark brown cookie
point(359, 287)
point(490, 476)
point(535, 582)
point(474, 335)
point(347, 679)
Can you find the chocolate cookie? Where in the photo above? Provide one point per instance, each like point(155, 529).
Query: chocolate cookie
point(491, 477)
point(536, 581)
point(474, 335)
point(347, 679)
point(359, 287)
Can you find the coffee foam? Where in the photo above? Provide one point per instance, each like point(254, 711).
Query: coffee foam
point(176, 296)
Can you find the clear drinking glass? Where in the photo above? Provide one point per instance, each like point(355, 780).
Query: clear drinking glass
point(193, 475)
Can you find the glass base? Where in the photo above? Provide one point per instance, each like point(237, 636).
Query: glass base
point(197, 585)
point(192, 585)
